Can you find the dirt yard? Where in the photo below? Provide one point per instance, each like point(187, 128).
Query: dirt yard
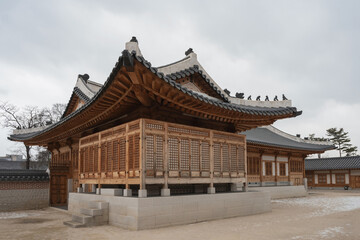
point(322, 215)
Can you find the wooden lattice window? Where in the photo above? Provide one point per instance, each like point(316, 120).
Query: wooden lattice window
point(131, 152)
point(115, 155)
point(233, 158)
point(184, 154)
point(134, 127)
point(75, 159)
point(137, 151)
point(154, 152)
point(134, 152)
point(109, 156)
point(282, 167)
point(322, 178)
point(173, 154)
point(91, 159)
point(159, 154)
point(217, 157)
point(241, 159)
point(195, 155)
point(309, 178)
point(122, 143)
point(96, 158)
point(82, 157)
point(103, 157)
point(296, 166)
point(205, 156)
point(225, 158)
point(253, 165)
point(86, 159)
point(150, 155)
point(268, 168)
point(340, 178)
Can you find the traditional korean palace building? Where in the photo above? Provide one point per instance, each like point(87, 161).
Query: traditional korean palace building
point(277, 158)
point(337, 172)
point(169, 130)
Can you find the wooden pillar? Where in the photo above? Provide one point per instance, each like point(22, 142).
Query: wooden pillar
point(211, 159)
point(261, 167)
point(127, 158)
point(142, 154)
point(276, 167)
point(99, 160)
point(166, 157)
point(289, 167)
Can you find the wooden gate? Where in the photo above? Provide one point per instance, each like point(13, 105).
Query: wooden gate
point(58, 190)
point(355, 182)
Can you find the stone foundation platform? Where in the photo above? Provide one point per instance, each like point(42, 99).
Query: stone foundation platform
point(154, 212)
point(282, 192)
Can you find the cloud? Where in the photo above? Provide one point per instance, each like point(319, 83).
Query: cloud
point(306, 49)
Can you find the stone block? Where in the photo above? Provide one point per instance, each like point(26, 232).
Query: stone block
point(211, 190)
point(142, 193)
point(165, 192)
point(127, 193)
point(111, 191)
point(91, 211)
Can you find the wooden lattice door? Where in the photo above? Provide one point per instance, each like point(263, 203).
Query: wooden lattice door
point(58, 190)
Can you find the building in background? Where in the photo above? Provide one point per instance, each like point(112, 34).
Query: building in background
point(336, 172)
point(276, 158)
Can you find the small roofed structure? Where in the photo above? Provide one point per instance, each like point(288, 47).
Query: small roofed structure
point(335, 172)
point(152, 128)
point(277, 158)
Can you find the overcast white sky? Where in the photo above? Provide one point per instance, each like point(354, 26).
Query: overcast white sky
point(308, 50)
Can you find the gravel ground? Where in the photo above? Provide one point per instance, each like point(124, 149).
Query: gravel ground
point(322, 215)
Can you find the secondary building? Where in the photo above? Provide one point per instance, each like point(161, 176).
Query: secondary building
point(276, 158)
point(337, 172)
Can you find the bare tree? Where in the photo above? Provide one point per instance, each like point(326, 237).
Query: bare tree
point(29, 117)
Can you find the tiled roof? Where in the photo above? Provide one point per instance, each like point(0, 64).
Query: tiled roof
point(8, 164)
point(192, 70)
point(264, 136)
point(23, 175)
point(264, 111)
point(127, 60)
point(80, 94)
point(332, 163)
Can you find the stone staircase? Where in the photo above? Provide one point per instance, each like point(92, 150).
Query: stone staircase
point(97, 213)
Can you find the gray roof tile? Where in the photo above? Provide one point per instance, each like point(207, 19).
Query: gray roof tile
point(334, 163)
point(264, 136)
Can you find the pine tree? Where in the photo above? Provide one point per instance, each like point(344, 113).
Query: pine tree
point(341, 141)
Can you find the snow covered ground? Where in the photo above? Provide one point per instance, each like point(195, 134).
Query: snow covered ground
point(323, 205)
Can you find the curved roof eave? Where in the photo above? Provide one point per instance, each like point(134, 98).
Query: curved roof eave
point(126, 60)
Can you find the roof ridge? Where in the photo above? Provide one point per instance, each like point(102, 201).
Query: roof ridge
point(332, 158)
point(294, 138)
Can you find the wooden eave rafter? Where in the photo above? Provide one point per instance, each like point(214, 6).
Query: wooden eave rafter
point(107, 106)
point(133, 84)
point(183, 102)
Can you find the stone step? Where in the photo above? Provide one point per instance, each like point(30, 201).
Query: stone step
point(81, 218)
point(98, 205)
point(91, 211)
point(74, 224)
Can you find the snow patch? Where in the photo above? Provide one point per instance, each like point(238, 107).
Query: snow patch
point(11, 215)
point(324, 205)
point(331, 232)
point(327, 233)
